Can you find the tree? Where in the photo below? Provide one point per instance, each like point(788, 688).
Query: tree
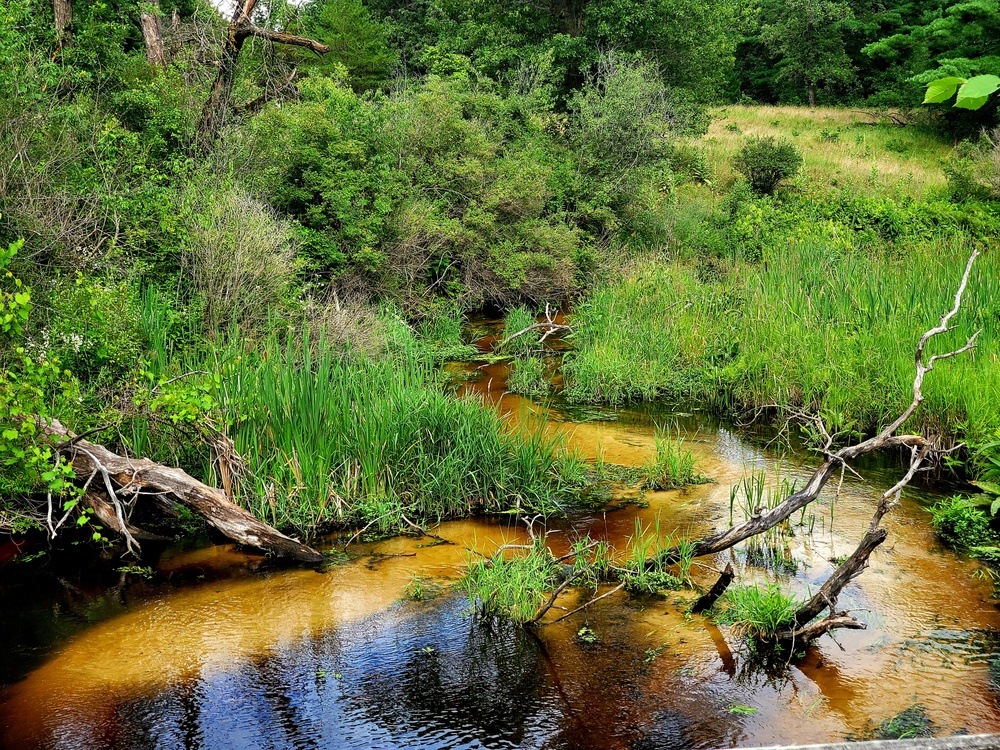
point(241, 27)
point(808, 37)
point(356, 40)
point(149, 18)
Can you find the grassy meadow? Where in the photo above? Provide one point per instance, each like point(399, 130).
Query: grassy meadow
point(842, 148)
point(812, 298)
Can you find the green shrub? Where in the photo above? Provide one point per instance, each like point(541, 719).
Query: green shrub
point(961, 524)
point(766, 161)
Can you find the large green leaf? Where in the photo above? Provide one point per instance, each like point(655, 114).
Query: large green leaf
point(976, 91)
point(942, 89)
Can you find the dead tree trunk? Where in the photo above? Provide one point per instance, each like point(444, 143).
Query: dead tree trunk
point(240, 28)
point(149, 16)
point(707, 601)
point(120, 476)
point(63, 10)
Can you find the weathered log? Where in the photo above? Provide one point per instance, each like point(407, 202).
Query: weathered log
point(708, 600)
point(105, 513)
point(814, 630)
point(123, 476)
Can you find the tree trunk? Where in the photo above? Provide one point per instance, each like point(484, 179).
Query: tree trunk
point(708, 600)
point(149, 16)
point(64, 17)
point(811, 88)
point(121, 475)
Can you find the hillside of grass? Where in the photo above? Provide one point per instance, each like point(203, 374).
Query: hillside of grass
point(813, 297)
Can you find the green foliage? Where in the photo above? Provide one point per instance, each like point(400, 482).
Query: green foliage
point(404, 447)
point(32, 390)
point(962, 524)
point(908, 723)
point(529, 377)
point(671, 466)
point(357, 42)
point(841, 278)
point(808, 38)
point(757, 613)
point(766, 162)
point(511, 587)
point(421, 589)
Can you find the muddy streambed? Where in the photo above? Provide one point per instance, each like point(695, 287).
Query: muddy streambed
point(219, 650)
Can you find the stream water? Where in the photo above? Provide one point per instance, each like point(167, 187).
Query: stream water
point(221, 650)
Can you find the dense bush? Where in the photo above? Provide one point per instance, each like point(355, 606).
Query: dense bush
point(766, 161)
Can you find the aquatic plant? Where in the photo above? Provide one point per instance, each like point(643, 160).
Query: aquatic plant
point(757, 613)
point(512, 587)
point(671, 466)
point(321, 438)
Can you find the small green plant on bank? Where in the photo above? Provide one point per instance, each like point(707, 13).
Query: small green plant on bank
point(964, 525)
point(766, 162)
point(756, 613)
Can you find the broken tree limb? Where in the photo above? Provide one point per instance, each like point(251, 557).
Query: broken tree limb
point(718, 589)
point(241, 27)
point(104, 511)
point(125, 476)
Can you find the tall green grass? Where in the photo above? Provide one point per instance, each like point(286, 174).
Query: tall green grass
point(819, 324)
point(332, 439)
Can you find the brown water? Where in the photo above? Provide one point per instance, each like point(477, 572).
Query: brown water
point(221, 650)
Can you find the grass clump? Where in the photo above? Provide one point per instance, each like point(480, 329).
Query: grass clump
point(421, 588)
point(528, 377)
point(909, 723)
point(323, 439)
point(671, 466)
point(963, 524)
point(757, 613)
point(511, 588)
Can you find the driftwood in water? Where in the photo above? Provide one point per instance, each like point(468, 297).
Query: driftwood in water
point(121, 476)
point(708, 600)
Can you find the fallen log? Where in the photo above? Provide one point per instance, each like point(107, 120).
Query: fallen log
point(121, 476)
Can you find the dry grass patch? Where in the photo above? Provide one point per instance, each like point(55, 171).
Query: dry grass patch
point(840, 146)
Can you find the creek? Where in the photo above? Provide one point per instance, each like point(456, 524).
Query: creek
point(214, 648)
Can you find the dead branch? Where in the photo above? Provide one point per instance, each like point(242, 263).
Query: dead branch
point(718, 589)
point(241, 28)
point(586, 604)
point(123, 476)
point(549, 325)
